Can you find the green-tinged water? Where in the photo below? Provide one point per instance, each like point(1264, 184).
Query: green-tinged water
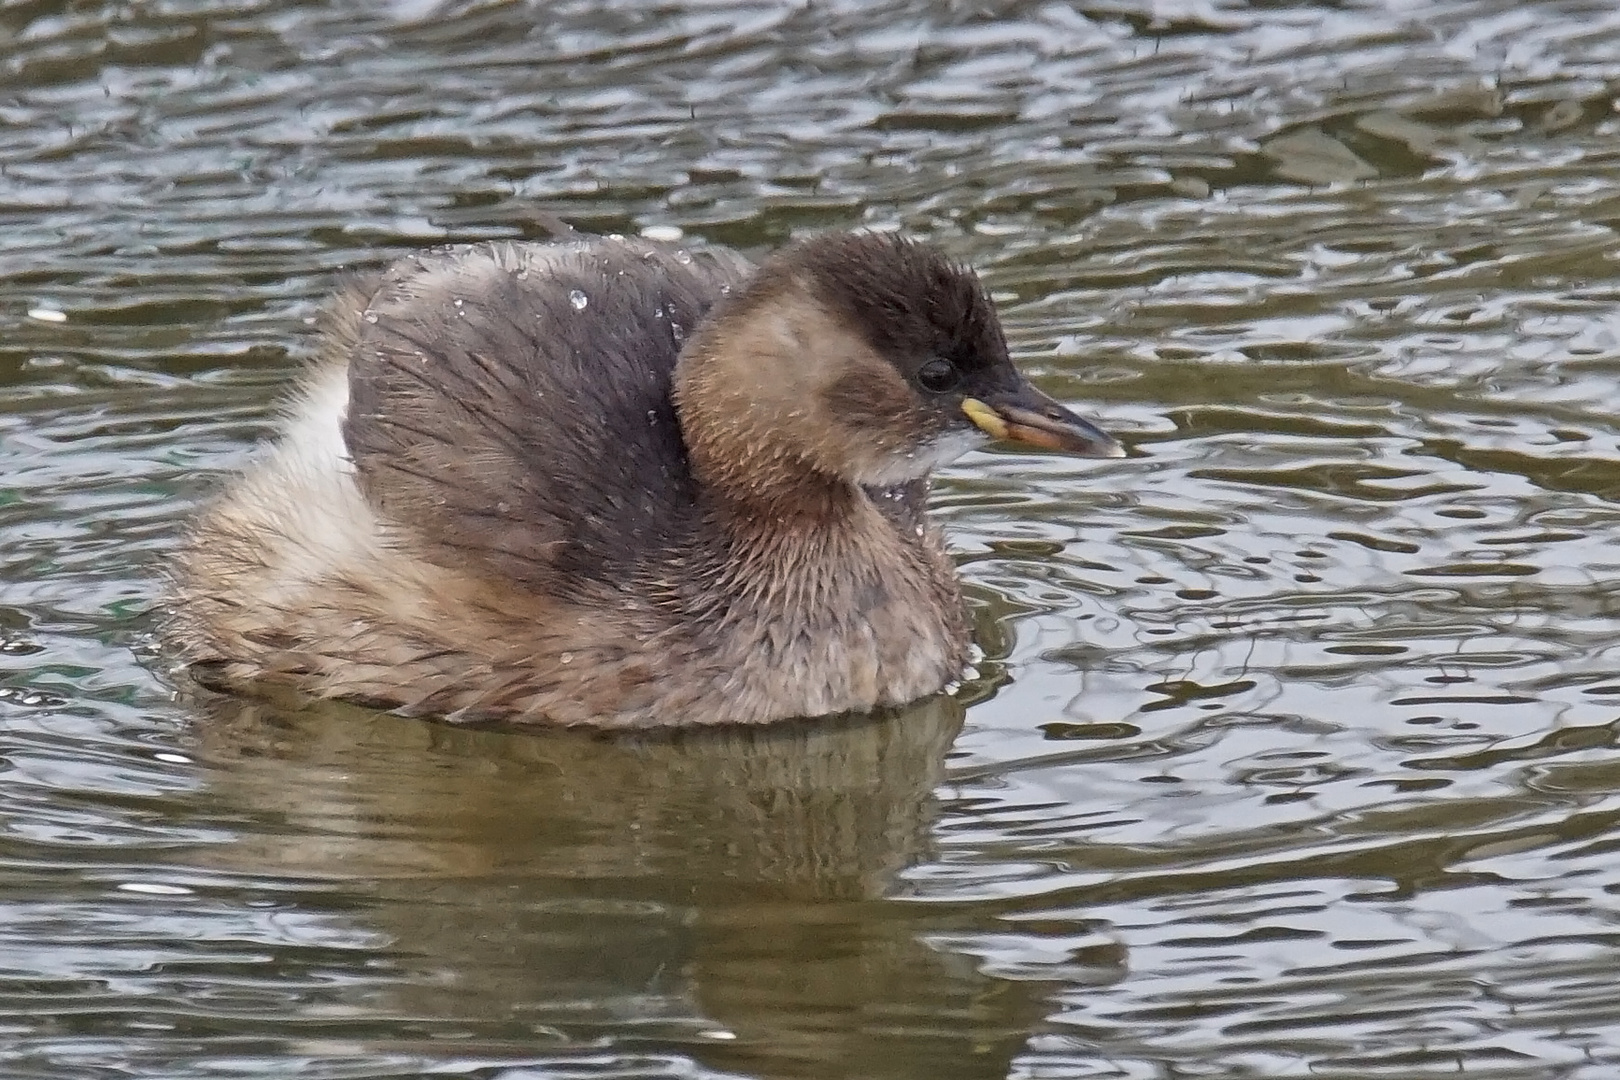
point(1294, 753)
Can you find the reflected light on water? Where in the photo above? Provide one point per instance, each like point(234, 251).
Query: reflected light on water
point(1292, 752)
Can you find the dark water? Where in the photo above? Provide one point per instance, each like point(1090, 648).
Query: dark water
point(1294, 753)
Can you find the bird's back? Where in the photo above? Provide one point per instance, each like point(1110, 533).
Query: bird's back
point(510, 403)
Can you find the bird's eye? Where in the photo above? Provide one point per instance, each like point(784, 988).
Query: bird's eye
point(938, 376)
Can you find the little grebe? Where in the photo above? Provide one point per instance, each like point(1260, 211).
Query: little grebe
point(614, 482)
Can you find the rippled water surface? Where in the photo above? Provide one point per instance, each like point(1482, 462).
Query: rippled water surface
point(1294, 752)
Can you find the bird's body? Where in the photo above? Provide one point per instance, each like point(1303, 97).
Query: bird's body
point(609, 482)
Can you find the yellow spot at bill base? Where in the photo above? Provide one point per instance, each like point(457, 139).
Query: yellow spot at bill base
point(987, 419)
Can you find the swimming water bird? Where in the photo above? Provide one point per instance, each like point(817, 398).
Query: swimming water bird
point(621, 483)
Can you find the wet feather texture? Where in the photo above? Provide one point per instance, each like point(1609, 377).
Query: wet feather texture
point(610, 482)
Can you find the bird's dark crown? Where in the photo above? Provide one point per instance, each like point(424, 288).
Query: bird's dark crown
point(906, 298)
